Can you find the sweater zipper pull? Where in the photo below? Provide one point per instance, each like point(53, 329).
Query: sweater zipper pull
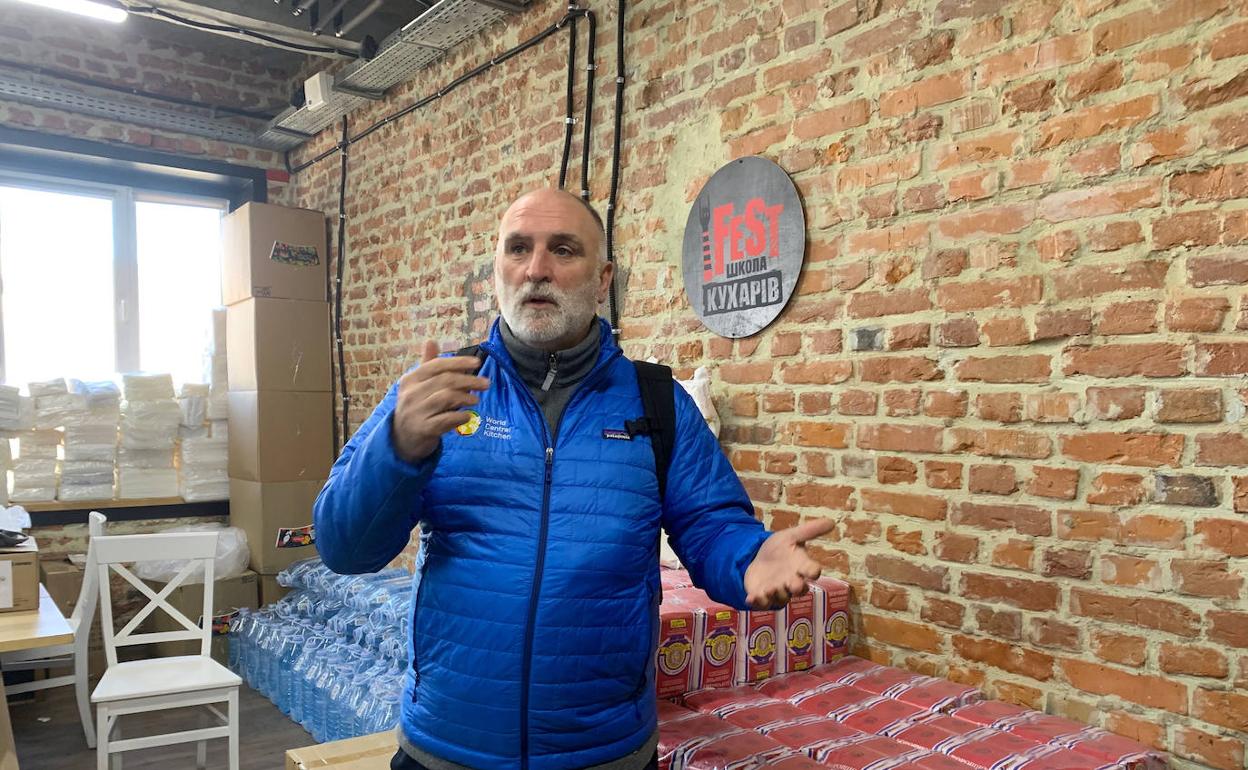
point(550, 373)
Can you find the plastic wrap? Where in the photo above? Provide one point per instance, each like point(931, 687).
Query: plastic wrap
point(156, 459)
point(140, 483)
point(141, 386)
point(54, 387)
point(230, 561)
point(699, 389)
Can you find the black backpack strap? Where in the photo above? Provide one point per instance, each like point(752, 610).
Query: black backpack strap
point(659, 402)
point(473, 350)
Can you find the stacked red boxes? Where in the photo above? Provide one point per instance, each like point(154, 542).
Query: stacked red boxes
point(1102, 746)
point(675, 670)
point(714, 637)
point(757, 646)
point(831, 598)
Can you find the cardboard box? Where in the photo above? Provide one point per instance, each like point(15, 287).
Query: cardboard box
point(368, 752)
point(19, 577)
point(228, 596)
point(279, 436)
point(277, 517)
point(271, 590)
point(273, 251)
point(278, 344)
point(63, 579)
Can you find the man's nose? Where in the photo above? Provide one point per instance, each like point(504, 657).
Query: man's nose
point(539, 266)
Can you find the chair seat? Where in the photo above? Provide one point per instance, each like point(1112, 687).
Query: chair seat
point(162, 676)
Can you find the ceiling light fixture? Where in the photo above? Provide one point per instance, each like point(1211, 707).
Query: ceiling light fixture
point(83, 8)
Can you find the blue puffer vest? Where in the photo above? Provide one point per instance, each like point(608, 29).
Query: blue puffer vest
point(535, 607)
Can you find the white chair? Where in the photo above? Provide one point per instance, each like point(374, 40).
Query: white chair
point(75, 655)
point(157, 684)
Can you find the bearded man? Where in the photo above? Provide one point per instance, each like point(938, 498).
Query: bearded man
point(535, 601)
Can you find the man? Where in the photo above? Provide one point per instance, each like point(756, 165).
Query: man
point(535, 600)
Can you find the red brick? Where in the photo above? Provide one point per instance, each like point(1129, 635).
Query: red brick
point(1067, 562)
point(951, 546)
point(1054, 324)
point(1149, 450)
point(1230, 628)
point(901, 438)
point(1189, 228)
point(1006, 331)
point(831, 121)
point(1207, 578)
point(815, 495)
point(902, 633)
point(817, 373)
point(821, 434)
point(1222, 270)
point(1014, 554)
point(1094, 121)
point(1132, 28)
point(877, 172)
point(1190, 406)
point(1036, 96)
point(906, 572)
point(900, 369)
point(1023, 519)
point(977, 150)
point(1005, 656)
point(1054, 483)
point(942, 475)
point(1113, 236)
point(1216, 184)
point(778, 402)
point(1190, 660)
point(1146, 360)
point(1115, 403)
point(1057, 247)
point(901, 402)
point(938, 89)
point(1210, 749)
point(1035, 595)
point(1082, 282)
point(1114, 198)
point(1129, 318)
point(1030, 59)
point(1158, 614)
point(1147, 732)
point(1052, 407)
point(1089, 525)
point(1165, 144)
point(897, 302)
point(1002, 443)
point(1005, 369)
point(1220, 359)
point(956, 298)
point(1220, 449)
point(1228, 709)
point(896, 470)
point(998, 220)
point(992, 479)
point(942, 612)
point(1119, 648)
point(746, 373)
point(1046, 632)
point(916, 506)
point(857, 402)
point(888, 597)
point(1197, 314)
point(1118, 489)
point(945, 403)
point(1228, 536)
point(1146, 690)
point(1101, 76)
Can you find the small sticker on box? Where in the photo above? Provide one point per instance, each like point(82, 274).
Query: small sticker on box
point(295, 537)
point(220, 623)
point(290, 254)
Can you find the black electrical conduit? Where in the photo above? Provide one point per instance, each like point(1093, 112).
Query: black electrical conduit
point(149, 10)
point(347, 140)
point(569, 120)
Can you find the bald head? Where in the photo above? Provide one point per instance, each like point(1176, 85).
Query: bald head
point(553, 202)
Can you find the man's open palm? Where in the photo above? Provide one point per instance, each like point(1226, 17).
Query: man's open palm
point(782, 567)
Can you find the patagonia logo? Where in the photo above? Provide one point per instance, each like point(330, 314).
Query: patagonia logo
point(615, 433)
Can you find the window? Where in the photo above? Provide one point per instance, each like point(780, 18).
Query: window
point(100, 279)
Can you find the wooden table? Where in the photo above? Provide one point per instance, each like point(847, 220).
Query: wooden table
point(43, 627)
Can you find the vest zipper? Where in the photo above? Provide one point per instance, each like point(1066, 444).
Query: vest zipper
point(533, 597)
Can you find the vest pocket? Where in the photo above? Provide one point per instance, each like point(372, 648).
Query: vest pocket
point(653, 596)
point(420, 592)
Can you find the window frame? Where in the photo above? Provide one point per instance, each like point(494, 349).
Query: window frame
point(127, 311)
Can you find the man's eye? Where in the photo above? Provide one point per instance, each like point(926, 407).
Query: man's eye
point(517, 248)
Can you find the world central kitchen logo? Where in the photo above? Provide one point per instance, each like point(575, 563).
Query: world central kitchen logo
point(737, 256)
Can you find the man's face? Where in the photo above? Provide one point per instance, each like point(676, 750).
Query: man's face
point(548, 274)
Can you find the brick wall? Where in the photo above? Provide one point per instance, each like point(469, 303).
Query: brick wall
point(1013, 368)
point(144, 54)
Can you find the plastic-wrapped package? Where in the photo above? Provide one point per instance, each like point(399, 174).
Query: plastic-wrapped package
point(219, 428)
point(728, 752)
point(769, 716)
point(139, 483)
point(198, 431)
point(142, 386)
point(203, 470)
point(678, 738)
point(150, 424)
point(812, 736)
point(54, 387)
point(32, 494)
point(795, 686)
point(39, 444)
point(53, 412)
point(866, 754)
point(35, 473)
point(883, 717)
point(77, 472)
point(715, 640)
point(101, 396)
point(218, 405)
point(718, 702)
point(154, 459)
point(699, 389)
point(936, 695)
point(936, 731)
point(988, 748)
point(83, 492)
point(17, 412)
point(217, 342)
point(230, 560)
point(193, 403)
point(847, 670)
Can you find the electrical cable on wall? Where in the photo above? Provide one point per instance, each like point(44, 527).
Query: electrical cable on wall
point(613, 196)
point(589, 103)
point(569, 119)
point(342, 247)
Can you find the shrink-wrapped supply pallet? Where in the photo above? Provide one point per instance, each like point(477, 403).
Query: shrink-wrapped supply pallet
point(203, 459)
point(150, 418)
point(17, 412)
point(89, 467)
point(37, 467)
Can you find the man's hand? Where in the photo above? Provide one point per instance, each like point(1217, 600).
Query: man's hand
point(781, 567)
point(430, 399)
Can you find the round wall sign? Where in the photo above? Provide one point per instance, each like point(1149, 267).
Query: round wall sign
point(744, 245)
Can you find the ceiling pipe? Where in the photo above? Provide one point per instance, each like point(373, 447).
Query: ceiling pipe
point(333, 11)
point(355, 21)
point(303, 6)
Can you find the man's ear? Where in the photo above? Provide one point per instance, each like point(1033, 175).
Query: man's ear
point(604, 281)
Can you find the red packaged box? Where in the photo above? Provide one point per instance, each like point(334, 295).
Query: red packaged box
point(845, 670)
point(809, 737)
point(1106, 747)
point(1057, 758)
point(991, 750)
point(675, 666)
point(870, 754)
point(938, 733)
point(672, 579)
point(757, 647)
point(935, 695)
point(760, 717)
point(678, 738)
point(715, 637)
point(802, 762)
point(788, 686)
point(802, 637)
point(991, 713)
point(930, 762)
point(721, 702)
point(737, 751)
point(884, 717)
point(671, 712)
point(831, 617)
point(835, 701)
point(879, 681)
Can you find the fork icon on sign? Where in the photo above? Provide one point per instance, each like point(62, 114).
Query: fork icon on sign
point(704, 219)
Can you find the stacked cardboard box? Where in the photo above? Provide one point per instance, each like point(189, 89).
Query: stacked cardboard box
point(278, 357)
